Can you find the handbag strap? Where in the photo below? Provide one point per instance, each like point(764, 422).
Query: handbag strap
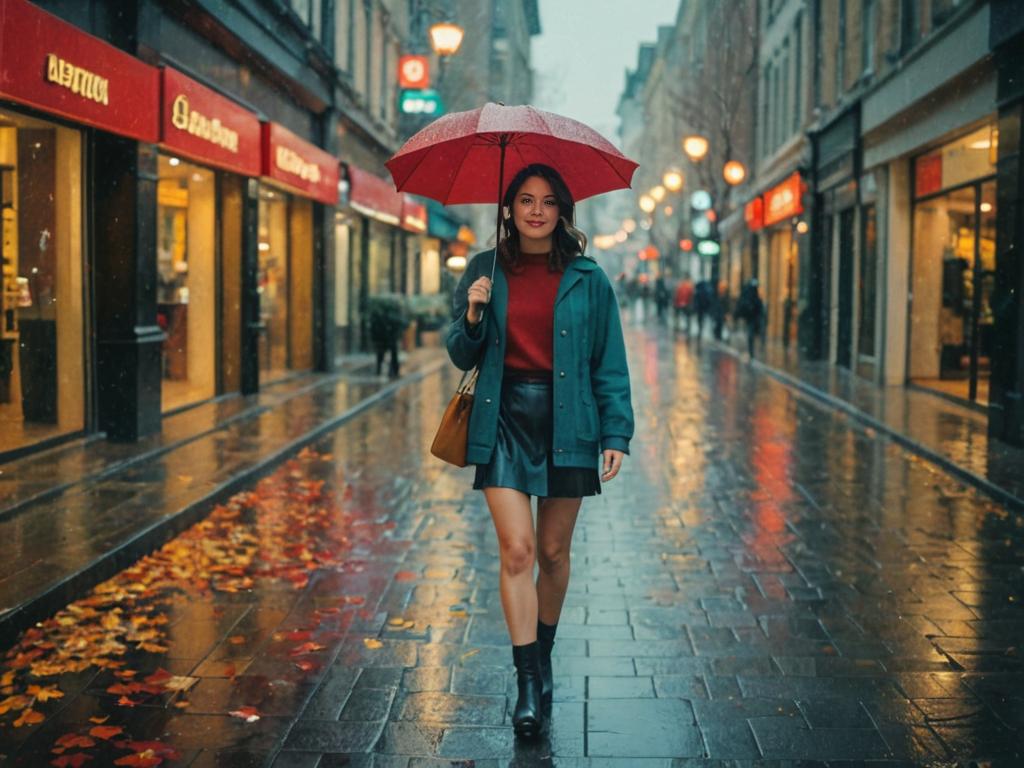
point(468, 382)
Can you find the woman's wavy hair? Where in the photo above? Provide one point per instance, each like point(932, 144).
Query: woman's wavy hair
point(567, 242)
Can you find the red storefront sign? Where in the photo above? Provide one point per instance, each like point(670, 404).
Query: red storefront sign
point(784, 201)
point(203, 125)
point(928, 175)
point(413, 72)
point(297, 164)
point(55, 67)
point(414, 215)
point(374, 197)
point(753, 214)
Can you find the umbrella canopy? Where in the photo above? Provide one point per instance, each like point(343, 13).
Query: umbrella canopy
point(468, 157)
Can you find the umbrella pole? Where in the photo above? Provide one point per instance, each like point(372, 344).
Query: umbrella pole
point(502, 142)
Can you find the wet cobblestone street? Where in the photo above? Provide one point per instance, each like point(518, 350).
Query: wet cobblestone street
point(765, 581)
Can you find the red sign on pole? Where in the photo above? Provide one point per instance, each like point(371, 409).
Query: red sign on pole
point(414, 72)
point(56, 67)
point(201, 124)
point(753, 214)
point(296, 163)
point(784, 201)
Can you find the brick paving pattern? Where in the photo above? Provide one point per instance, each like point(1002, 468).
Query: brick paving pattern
point(765, 581)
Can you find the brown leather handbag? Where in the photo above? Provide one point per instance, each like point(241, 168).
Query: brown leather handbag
point(453, 433)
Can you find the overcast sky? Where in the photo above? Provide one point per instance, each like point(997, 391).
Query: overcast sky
point(582, 53)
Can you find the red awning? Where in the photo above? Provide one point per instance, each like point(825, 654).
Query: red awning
point(374, 197)
point(414, 215)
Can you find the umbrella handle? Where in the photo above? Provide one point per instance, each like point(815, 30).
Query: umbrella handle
point(502, 143)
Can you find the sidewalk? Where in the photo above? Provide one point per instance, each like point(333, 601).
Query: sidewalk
point(953, 436)
point(74, 515)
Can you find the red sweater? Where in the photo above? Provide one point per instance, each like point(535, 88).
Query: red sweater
point(531, 314)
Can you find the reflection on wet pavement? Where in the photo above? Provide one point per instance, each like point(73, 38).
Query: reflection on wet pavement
point(763, 580)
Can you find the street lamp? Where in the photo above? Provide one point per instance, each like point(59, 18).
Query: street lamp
point(658, 193)
point(629, 225)
point(647, 204)
point(673, 179)
point(734, 172)
point(445, 38)
point(695, 147)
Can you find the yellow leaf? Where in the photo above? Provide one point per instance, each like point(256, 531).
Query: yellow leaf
point(45, 694)
point(99, 720)
point(372, 643)
point(152, 647)
point(180, 683)
point(396, 622)
point(29, 717)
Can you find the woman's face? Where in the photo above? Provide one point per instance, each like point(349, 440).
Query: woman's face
point(535, 212)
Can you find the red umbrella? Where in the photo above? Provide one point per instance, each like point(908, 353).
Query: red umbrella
point(465, 157)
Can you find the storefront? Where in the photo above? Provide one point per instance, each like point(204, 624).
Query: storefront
point(372, 219)
point(297, 175)
point(779, 257)
point(953, 266)
point(54, 82)
point(199, 256)
point(414, 225)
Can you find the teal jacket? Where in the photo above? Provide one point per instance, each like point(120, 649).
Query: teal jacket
point(590, 380)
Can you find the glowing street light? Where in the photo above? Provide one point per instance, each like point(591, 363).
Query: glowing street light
point(734, 172)
point(695, 147)
point(629, 225)
point(647, 204)
point(673, 179)
point(445, 38)
point(658, 193)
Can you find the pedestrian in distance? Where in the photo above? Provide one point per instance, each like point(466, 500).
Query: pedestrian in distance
point(703, 299)
point(683, 302)
point(750, 309)
point(720, 309)
point(661, 297)
point(552, 407)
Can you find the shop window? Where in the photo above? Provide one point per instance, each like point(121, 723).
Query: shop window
point(285, 284)
point(868, 282)
point(186, 281)
point(42, 363)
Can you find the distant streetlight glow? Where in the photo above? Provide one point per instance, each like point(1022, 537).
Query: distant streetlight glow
point(695, 147)
point(629, 225)
point(446, 38)
point(658, 193)
point(673, 179)
point(734, 172)
point(647, 204)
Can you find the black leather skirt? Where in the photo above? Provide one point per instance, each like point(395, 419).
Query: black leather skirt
point(522, 452)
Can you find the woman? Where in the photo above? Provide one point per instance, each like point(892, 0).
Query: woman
point(551, 397)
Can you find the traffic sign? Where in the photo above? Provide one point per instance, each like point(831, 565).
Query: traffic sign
point(421, 102)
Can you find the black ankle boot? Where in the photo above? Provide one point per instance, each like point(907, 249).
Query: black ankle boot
point(545, 642)
point(528, 717)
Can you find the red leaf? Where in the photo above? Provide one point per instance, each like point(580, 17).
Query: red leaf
point(76, 760)
point(406, 576)
point(299, 634)
point(305, 666)
point(124, 701)
point(105, 732)
point(69, 740)
point(159, 677)
point(305, 648)
point(249, 714)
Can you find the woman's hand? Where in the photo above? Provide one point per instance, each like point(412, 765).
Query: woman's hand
point(479, 297)
point(612, 464)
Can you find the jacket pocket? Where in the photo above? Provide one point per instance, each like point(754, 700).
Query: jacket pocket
point(586, 410)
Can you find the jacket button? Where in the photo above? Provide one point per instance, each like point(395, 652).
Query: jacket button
point(561, 405)
point(565, 332)
point(561, 374)
point(495, 342)
point(559, 451)
point(487, 400)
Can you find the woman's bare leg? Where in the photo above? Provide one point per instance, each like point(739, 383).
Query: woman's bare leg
point(556, 519)
point(513, 522)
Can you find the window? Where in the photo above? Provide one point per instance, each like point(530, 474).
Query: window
point(310, 13)
point(910, 24)
point(841, 51)
point(942, 10)
point(798, 74)
point(766, 100)
point(867, 38)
